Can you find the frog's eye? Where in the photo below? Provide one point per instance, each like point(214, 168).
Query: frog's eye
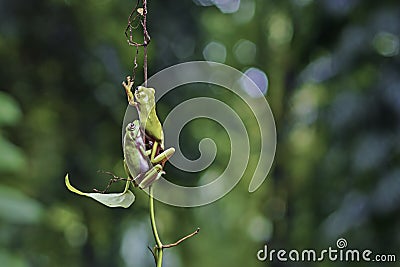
point(131, 126)
point(139, 89)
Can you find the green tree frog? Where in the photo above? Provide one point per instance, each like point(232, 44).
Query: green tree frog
point(137, 165)
point(145, 104)
point(138, 162)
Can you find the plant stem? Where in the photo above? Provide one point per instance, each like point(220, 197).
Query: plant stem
point(160, 256)
point(158, 251)
point(159, 247)
point(145, 41)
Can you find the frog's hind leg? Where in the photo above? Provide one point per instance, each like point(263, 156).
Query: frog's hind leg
point(163, 156)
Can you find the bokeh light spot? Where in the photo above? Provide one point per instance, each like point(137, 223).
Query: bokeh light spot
point(260, 228)
point(225, 6)
point(215, 51)
point(245, 12)
point(386, 44)
point(76, 234)
point(245, 51)
point(259, 78)
point(280, 30)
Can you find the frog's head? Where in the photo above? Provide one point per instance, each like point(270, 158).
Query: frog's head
point(145, 96)
point(133, 129)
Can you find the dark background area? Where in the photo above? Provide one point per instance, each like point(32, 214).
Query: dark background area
point(334, 89)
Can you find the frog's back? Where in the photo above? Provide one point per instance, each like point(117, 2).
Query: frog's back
point(153, 128)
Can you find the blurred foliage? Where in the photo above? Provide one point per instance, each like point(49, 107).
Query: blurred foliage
point(334, 89)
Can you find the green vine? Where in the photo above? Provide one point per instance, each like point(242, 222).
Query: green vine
point(159, 247)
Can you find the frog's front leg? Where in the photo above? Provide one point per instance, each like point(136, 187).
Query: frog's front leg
point(128, 89)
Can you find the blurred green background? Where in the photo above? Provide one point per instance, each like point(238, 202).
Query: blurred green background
point(333, 86)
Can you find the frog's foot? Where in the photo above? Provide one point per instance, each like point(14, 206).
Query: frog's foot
point(145, 180)
point(128, 89)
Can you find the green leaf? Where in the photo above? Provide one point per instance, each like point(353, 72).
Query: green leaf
point(11, 157)
point(10, 112)
point(16, 207)
point(124, 199)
